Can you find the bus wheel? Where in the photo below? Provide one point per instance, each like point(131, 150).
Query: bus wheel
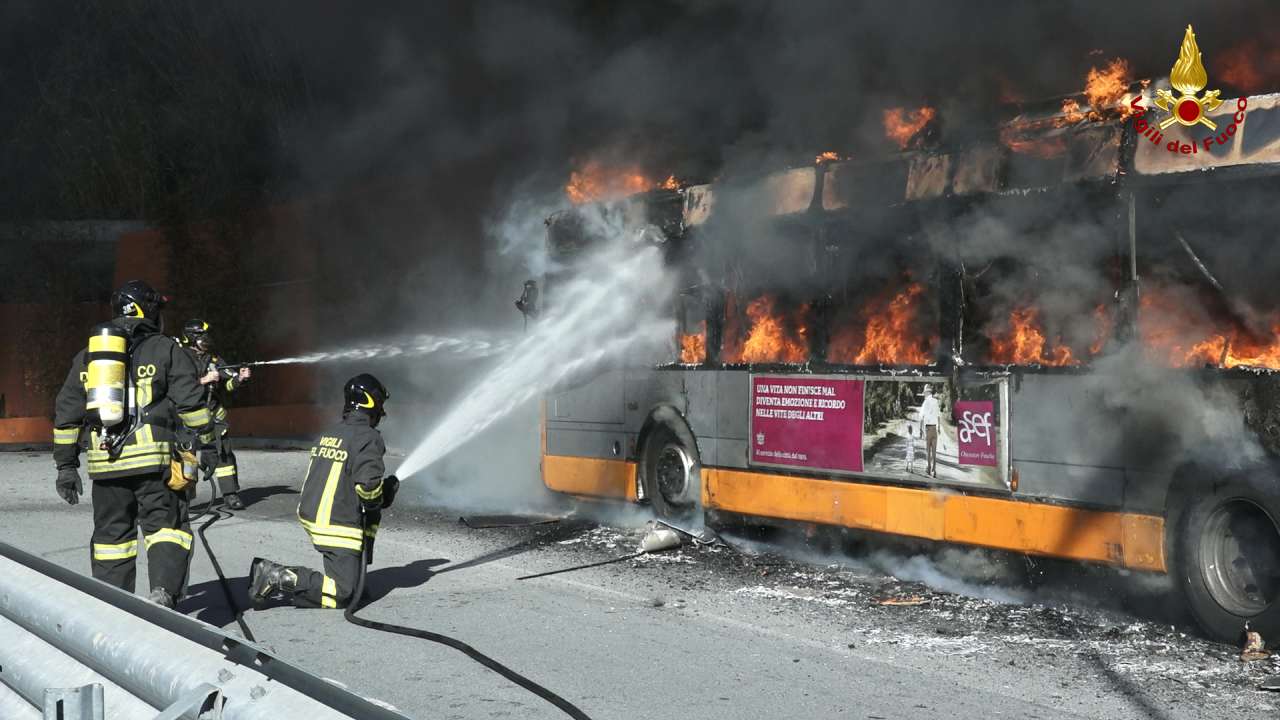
point(671, 473)
point(1227, 558)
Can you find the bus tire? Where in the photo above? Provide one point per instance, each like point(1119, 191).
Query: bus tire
point(670, 468)
point(1226, 554)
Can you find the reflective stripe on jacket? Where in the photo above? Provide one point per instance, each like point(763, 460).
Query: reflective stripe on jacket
point(345, 471)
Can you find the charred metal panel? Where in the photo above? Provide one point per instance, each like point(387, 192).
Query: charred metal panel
point(928, 176)
point(786, 193)
point(850, 185)
point(1094, 153)
point(660, 209)
point(979, 170)
point(699, 202)
point(1029, 170)
point(1256, 141)
point(1067, 444)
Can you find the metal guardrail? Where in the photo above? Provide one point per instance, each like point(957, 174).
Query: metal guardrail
point(60, 629)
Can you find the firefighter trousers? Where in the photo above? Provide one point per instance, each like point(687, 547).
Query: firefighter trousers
point(222, 462)
point(120, 507)
point(332, 588)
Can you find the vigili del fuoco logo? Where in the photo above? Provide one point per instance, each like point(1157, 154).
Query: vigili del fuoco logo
point(1188, 108)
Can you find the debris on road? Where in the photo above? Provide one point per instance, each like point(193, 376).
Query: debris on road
point(1254, 647)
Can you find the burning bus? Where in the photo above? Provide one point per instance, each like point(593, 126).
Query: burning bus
point(1061, 341)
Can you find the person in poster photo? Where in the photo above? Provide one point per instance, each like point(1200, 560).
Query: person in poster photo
point(929, 417)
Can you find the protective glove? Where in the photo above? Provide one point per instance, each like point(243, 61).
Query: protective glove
point(390, 486)
point(68, 485)
point(209, 458)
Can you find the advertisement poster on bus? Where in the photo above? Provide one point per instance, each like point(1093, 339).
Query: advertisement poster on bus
point(806, 422)
point(902, 428)
point(918, 429)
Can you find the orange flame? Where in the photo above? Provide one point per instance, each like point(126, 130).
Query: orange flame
point(1176, 335)
point(1104, 326)
point(1250, 67)
point(1071, 112)
point(1105, 87)
point(771, 337)
point(595, 182)
point(828, 156)
point(890, 333)
point(1025, 343)
point(1044, 147)
point(902, 125)
point(693, 346)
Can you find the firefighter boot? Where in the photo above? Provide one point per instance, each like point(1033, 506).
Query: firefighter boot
point(267, 579)
point(233, 501)
point(161, 597)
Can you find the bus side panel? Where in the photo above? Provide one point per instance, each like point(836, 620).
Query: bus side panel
point(700, 413)
point(1066, 443)
point(586, 440)
point(733, 418)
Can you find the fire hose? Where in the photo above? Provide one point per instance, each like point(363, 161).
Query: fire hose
point(353, 607)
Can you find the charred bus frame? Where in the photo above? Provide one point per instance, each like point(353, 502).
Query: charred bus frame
point(679, 436)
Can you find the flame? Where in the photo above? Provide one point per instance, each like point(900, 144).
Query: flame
point(1104, 326)
point(1071, 112)
point(693, 346)
point(1105, 87)
point(1177, 335)
point(901, 125)
point(1250, 67)
point(1025, 343)
point(889, 334)
point(1045, 147)
point(828, 156)
point(771, 337)
point(595, 182)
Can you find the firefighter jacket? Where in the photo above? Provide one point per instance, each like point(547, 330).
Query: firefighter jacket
point(344, 475)
point(165, 396)
point(227, 383)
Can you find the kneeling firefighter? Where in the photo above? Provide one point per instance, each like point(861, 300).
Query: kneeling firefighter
point(218, 382)
point(135, 389)
point(343, 496)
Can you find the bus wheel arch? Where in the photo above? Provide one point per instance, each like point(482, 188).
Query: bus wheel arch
point(669, 467)
point(1223, 542)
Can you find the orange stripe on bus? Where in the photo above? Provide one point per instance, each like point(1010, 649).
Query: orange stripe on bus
point(1114, 538)
point(594, 477)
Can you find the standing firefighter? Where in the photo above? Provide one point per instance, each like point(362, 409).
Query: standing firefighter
point(133, 388)
point(342, 500)
point(218, 382)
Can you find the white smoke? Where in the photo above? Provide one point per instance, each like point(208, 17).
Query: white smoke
point(613, 305)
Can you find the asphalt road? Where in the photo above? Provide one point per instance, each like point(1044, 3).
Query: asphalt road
point(703, 633)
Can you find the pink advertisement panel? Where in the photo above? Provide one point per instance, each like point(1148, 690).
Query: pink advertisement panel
point(976, 432)
point(807, 422)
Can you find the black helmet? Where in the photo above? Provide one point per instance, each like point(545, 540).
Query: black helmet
point(137, 299)
point(196, 332)
point(364, 393)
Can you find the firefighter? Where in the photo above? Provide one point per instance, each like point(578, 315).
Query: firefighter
point(132, 387)
point(343, 496)
point(218, 382)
